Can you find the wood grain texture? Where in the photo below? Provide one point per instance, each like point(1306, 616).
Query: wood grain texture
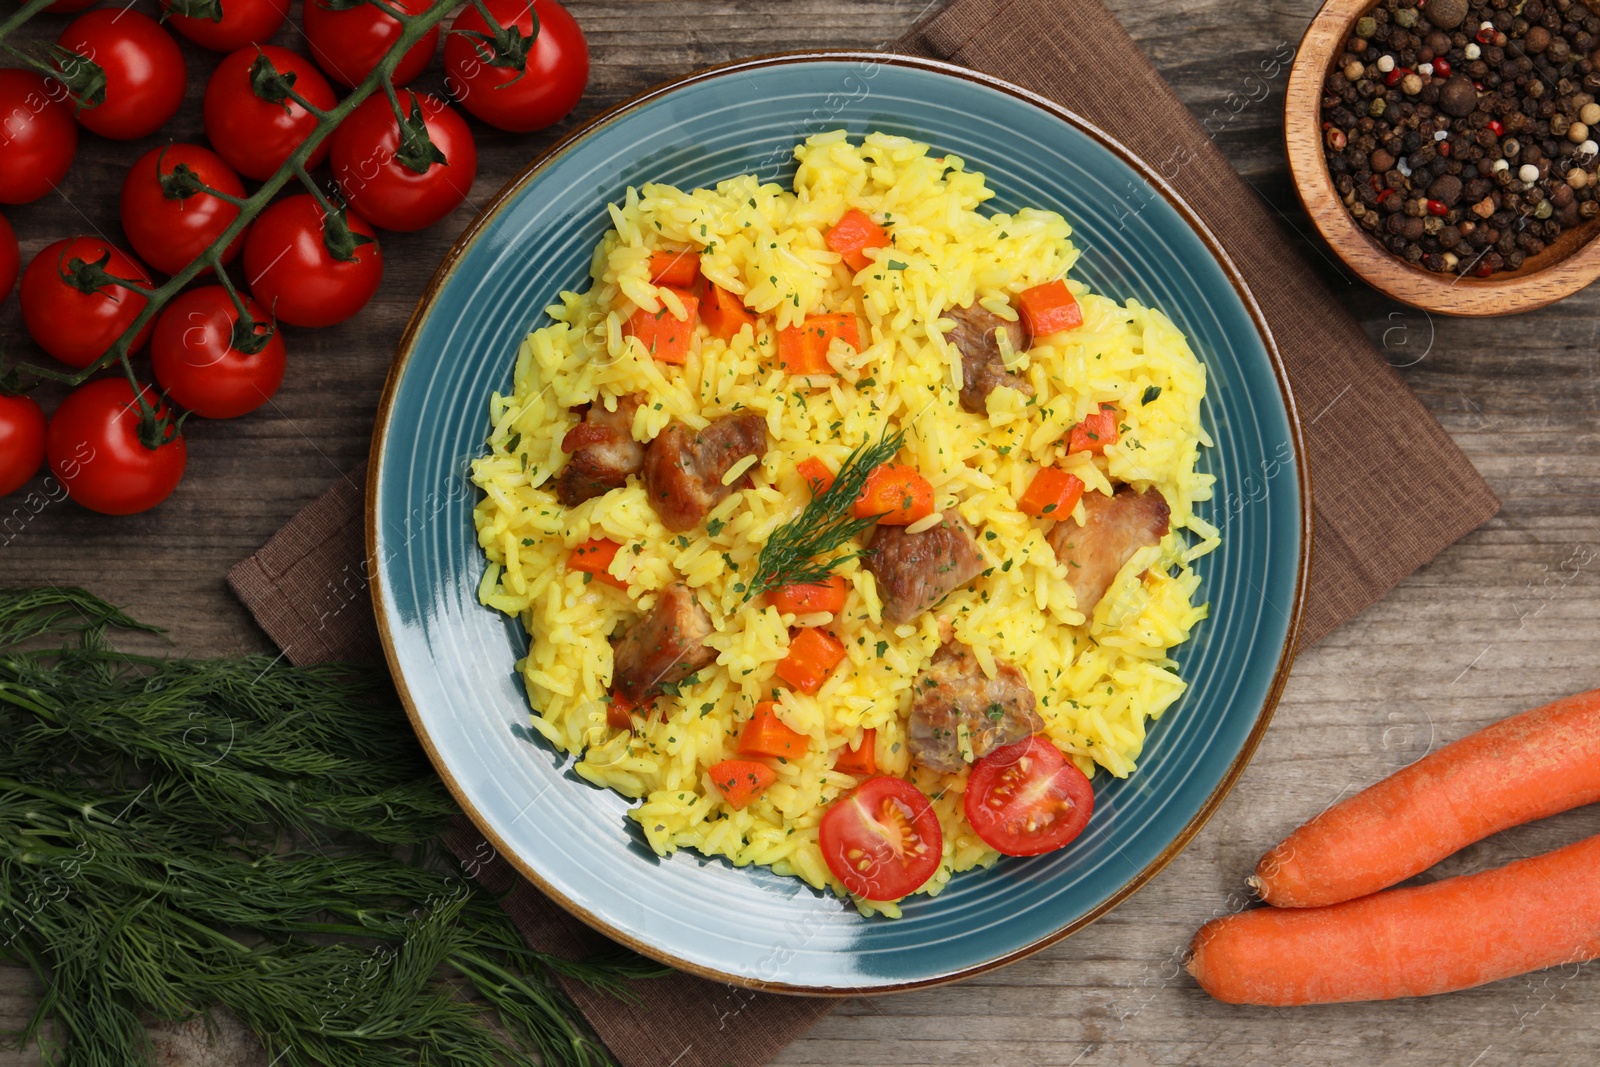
point(1503, 621)
point(1569, 264)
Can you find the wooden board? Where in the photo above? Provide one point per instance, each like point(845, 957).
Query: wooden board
point(1504, 620)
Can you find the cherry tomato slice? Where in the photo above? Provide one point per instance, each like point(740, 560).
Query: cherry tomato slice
point(1027, 798)
point(881, 839)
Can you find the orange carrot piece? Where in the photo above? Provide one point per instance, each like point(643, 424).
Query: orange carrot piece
point(813, 654)
point(740, 780)
point(1052, 494)
point(594, 557)
point(1448, 935)
point(1098, 429)
point(1049, 308)
point(816, 474)
point(766, 735)
point(861, 761)
point(1523, 768)
point(665, 336)
point(853, 235)
point(724, 313)
point(676, 268)
point(806, 599)
point(803, 349)
point(896, 494)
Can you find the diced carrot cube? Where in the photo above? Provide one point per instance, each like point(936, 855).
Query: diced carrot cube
point(813, 654)
point(1097, 430)
point(896, 494)
point(808, 599)
point(1052, 494)
point(1049, 308)
point(803, 349)
point(594, 557)
point(665, 336)
point(766, 735)
point(675, 268)
point(861, 761)
point(725, 314)
point(816, 474)
point(853, 235)
point(740, 780)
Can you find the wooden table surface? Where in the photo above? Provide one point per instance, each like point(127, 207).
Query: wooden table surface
point(1504, 620)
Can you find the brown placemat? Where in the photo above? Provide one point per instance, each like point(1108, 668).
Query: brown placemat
point(1370, 444)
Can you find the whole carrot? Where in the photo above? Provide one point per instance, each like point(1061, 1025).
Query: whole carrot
point(1522, 768)
point(1453, 934)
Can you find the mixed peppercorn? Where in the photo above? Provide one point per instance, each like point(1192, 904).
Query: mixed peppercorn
point(1458, 132)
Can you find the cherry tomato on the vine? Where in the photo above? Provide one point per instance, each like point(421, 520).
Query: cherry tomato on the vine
point(1026, 799)
point(226, 25)
point(167, 219)
point(38, 132)
point(198, 360)
point(21, 441)
point(297, 277)
point(256, 135)
point(144, 71)
point(349, 37)
point(10, 259)
point(111, 457)
point(376, 173)
point(881, 839)
point(557, 64)
point(72, 304)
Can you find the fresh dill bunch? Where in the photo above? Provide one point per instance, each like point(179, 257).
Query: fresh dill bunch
point(181, 834)
point(792, 555)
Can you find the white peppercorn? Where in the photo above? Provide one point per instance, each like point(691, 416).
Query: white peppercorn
point(1386, 63)
point(1528, 173)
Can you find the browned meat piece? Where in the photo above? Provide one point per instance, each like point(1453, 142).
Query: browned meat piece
point(664, 647)
point(982, 368)
point(954, 694)
point(916, 571)
point(683, 469)
point(603, 452)
point(1114, 528)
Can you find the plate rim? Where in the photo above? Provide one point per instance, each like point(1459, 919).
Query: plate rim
point(470, 236)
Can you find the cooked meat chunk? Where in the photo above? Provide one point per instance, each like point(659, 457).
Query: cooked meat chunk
point(664, 647)
point(916, 571)
point(1114, 528)
point(953, 696)
point(983, 369)
point(683, 469)
point(603, 452)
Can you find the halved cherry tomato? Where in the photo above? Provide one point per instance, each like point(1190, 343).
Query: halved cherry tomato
point(881, 839)
point(861, 761)
point(808, 599)
point(767, 735)
point(1027, 798)
point(740, 780)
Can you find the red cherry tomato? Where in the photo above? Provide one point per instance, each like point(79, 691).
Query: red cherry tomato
point(10, 259)
point(348, 43)
point(144, 70)
point(38, 134)
point(255, 135)
point(167, 222)
point(110, 460)
point(21, 441)
point(72, 309)
point(226, 25)
point(881, 839)
point(386, 191)
point(196, 361)
point(294, 275)
point(557, 66)
point(1028, 798)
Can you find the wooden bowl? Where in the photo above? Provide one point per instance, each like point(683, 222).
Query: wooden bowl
point(1570, 262)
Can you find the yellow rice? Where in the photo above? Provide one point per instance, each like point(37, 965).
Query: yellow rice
point(1098, 681)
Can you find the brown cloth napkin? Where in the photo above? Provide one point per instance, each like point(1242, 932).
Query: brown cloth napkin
point(1370, 444)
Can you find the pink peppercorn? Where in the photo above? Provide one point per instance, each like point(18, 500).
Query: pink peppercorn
point(1395, 75)
point(1386, 194)
point(1436, 207)
point(1441, 68)
point(1497, 128)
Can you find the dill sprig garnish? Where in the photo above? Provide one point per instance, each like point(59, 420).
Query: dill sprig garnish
point(792, 555)
point(177, 835)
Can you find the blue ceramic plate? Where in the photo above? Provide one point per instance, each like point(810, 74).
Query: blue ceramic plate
point(453, 659)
